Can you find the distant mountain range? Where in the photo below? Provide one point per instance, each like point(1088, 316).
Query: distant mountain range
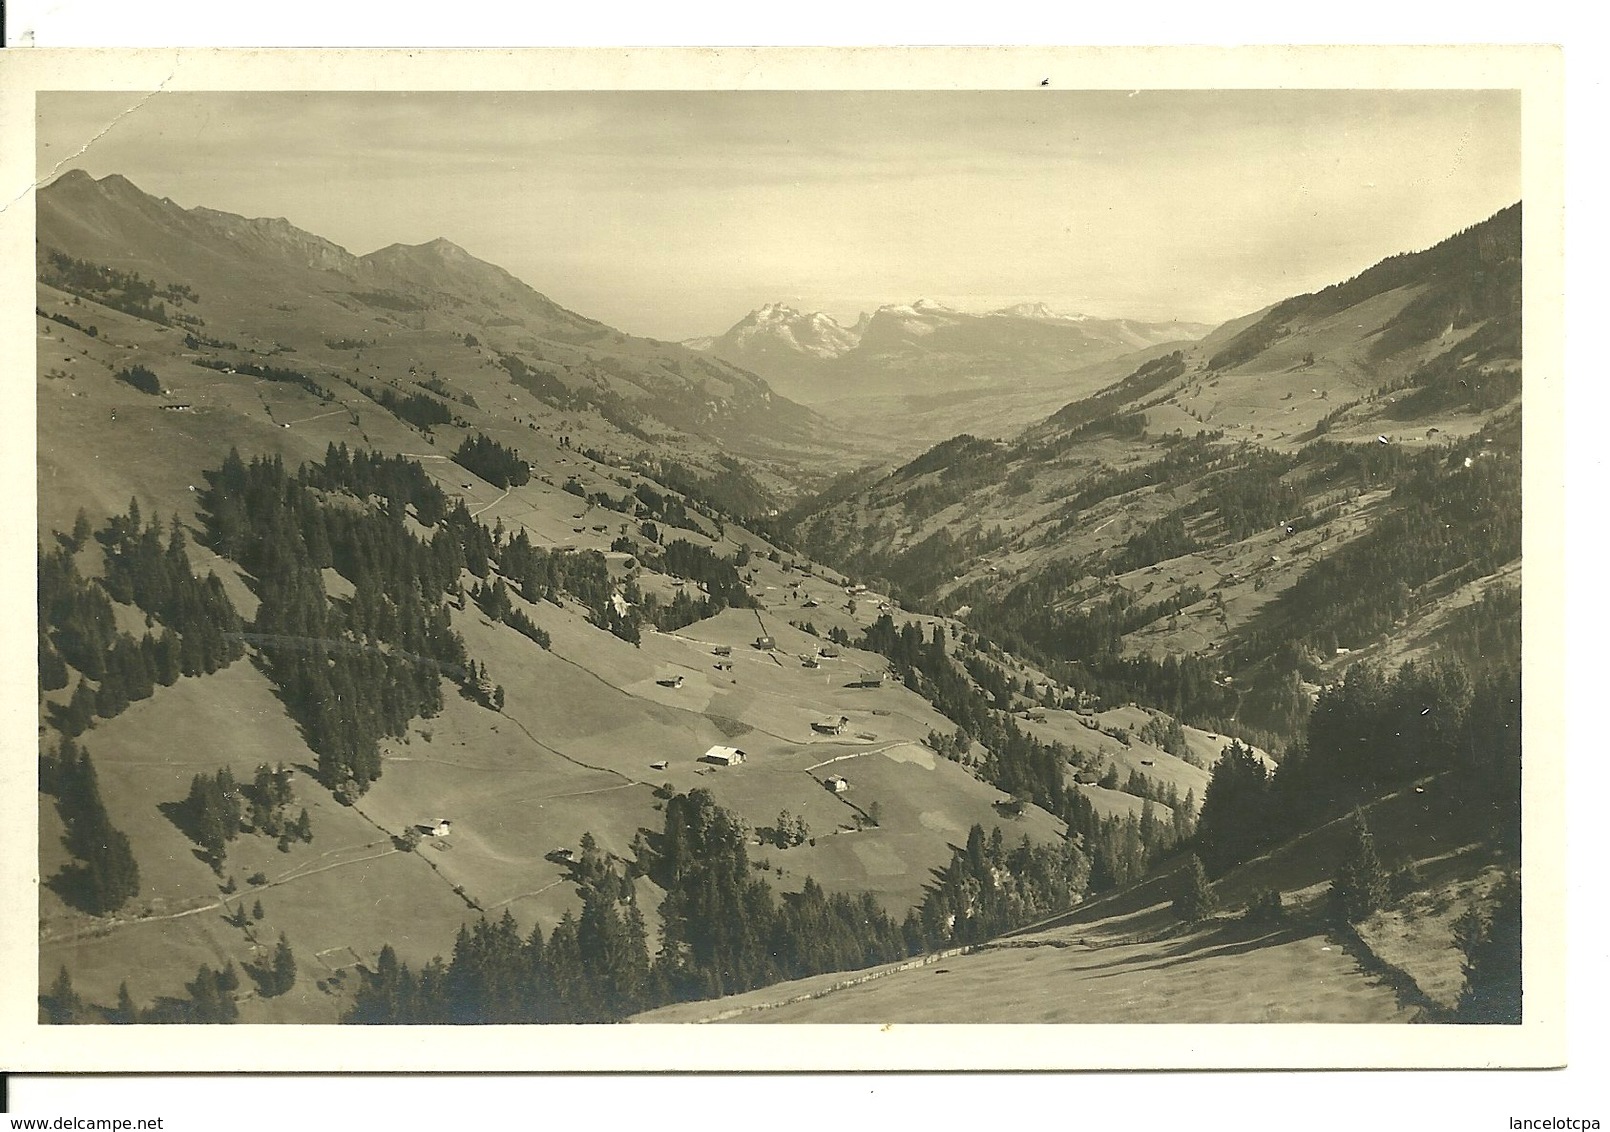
point(925, 347)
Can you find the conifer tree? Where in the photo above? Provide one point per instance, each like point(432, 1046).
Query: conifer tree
point(81, 531)
point(62, 1006)
point(1196, 900)
point(227, 793)
point(1492, 963)
point(105, 876)
point(52, 669)
point(284, 969)
point(127, 1013)
point(79, 714)
point(204, 812)
point(1361, 886)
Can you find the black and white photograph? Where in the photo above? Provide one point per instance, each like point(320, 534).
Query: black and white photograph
point(855, 555)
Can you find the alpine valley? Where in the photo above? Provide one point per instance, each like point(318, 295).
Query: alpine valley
point(414, 649)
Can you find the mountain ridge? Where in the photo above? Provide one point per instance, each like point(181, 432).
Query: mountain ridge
point(422, 290)
point(1163, 514)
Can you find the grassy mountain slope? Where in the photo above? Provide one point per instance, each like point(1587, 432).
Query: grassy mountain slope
point(261, 287)
point(1126, 958)
point(1337, 471)
point(603, 567)
point(278, 345)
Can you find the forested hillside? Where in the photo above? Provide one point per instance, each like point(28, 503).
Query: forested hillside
point(1161, 541)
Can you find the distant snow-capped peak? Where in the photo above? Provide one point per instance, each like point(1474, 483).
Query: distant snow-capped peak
point(917, 307)
point(780, 325)
point(1040, 312)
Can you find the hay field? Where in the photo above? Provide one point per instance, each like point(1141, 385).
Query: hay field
point(348, 888)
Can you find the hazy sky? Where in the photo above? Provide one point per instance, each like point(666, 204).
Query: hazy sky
point(673, 214)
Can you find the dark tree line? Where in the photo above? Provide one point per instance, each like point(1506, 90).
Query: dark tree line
point(140, 378)
point(77, 626)
point(154, 574)
point(126, 291)
point(1118, 850)
point(669, 509)
point(266, 372)
point(1448, 524)
point(353, 671)
point(717, 575)
point(92, 331)
point(1013, 761)
point(193, 341)
point(218, 810)
point(356, 670)
point(1166, 538)
point(1148, 378)
point(491, 461)
point(104, 875)
point(1472, 375)
point(1123, 849)
point(1183, 459)
point(987, 889)
point(419, 409)
point(725, 929)
point(493, 600)
point(1368, 733)
point(729, 490)
point(1491, 945)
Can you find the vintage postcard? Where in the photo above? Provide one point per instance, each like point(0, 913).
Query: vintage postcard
point(966, 558)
